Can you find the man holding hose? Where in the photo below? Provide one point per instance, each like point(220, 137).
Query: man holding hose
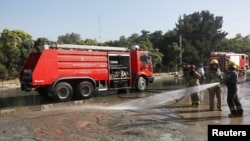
point(233, 101)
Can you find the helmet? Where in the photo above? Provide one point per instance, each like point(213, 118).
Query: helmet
point(214, 61)
point(191, 67)
point(232, 64)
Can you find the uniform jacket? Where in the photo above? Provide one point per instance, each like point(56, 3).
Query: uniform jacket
point(231, 79)
point(215, 76)
point(193, 79)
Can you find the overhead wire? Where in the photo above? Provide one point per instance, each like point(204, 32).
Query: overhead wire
point(247, 16)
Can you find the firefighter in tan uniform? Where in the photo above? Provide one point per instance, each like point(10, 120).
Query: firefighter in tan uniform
point(193, 79)
point(215, 75)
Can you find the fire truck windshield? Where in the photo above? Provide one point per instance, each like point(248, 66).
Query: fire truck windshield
point(145, 59)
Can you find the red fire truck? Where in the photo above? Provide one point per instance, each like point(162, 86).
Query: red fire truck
point(223, 57)
point(66, 70)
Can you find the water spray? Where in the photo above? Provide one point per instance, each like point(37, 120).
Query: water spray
point(159, 99)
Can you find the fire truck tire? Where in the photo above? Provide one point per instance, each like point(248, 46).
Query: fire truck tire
point(63, 91)
point(84, 90)
point(141, 84)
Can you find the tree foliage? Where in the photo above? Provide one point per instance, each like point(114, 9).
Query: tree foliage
point(69, 38)
point(238, 44)
point(40, 42)
point(16, 45)
point(201, 33)
point(3, 72)
point(88, 42)
point(143, 41)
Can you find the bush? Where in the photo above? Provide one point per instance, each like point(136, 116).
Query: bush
point(3, 72)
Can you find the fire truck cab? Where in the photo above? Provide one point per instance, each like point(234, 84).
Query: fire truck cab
point(64, 71)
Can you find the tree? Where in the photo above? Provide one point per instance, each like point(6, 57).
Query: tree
point(88, 42)
point(200, 31)
point(69, 38)
point(40, 42)
point(156, 38)
point(3, 72)
point(164, 44)
point(240, 43)
point(16, 45)
point(143, 41)
point(153, 52)
point(134, 39)
point(174, 52)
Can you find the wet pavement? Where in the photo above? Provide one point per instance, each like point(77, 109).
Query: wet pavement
point(12, 97)
point(170, 116)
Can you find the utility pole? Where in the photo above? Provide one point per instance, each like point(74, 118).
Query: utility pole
point(180, 40)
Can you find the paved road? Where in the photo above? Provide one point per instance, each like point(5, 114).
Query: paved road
point(94, 120)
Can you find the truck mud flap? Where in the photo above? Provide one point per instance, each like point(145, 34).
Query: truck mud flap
point(26, 87)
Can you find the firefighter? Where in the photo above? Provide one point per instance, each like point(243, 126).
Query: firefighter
point(215, 75)
point(193, 79)
point(233, 101)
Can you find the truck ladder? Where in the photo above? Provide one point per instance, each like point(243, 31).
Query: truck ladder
point(85, 47)
point(219, 53)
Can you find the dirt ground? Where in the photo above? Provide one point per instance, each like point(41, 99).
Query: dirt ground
point(93, 124)
point(93, 120)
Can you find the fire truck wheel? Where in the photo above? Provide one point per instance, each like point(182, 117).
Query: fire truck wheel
point(63, 91)
point(141, 84)
point(84, 90)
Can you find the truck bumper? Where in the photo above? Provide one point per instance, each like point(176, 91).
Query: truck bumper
point(151, 79)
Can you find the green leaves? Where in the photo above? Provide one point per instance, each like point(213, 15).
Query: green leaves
point(15, 47)
point(145, 43)
point(3, 72)
point(70, 38)
point(202, 33)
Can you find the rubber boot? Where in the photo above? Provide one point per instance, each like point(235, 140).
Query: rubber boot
point(233, 113)
point(240, 112)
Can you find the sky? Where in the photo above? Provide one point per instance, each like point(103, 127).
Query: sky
point(106, 20)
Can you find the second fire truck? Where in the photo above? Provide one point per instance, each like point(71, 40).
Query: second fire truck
point(64, 71)
point(224, 57)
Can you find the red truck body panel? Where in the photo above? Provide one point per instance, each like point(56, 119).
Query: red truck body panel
point(54, 64)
